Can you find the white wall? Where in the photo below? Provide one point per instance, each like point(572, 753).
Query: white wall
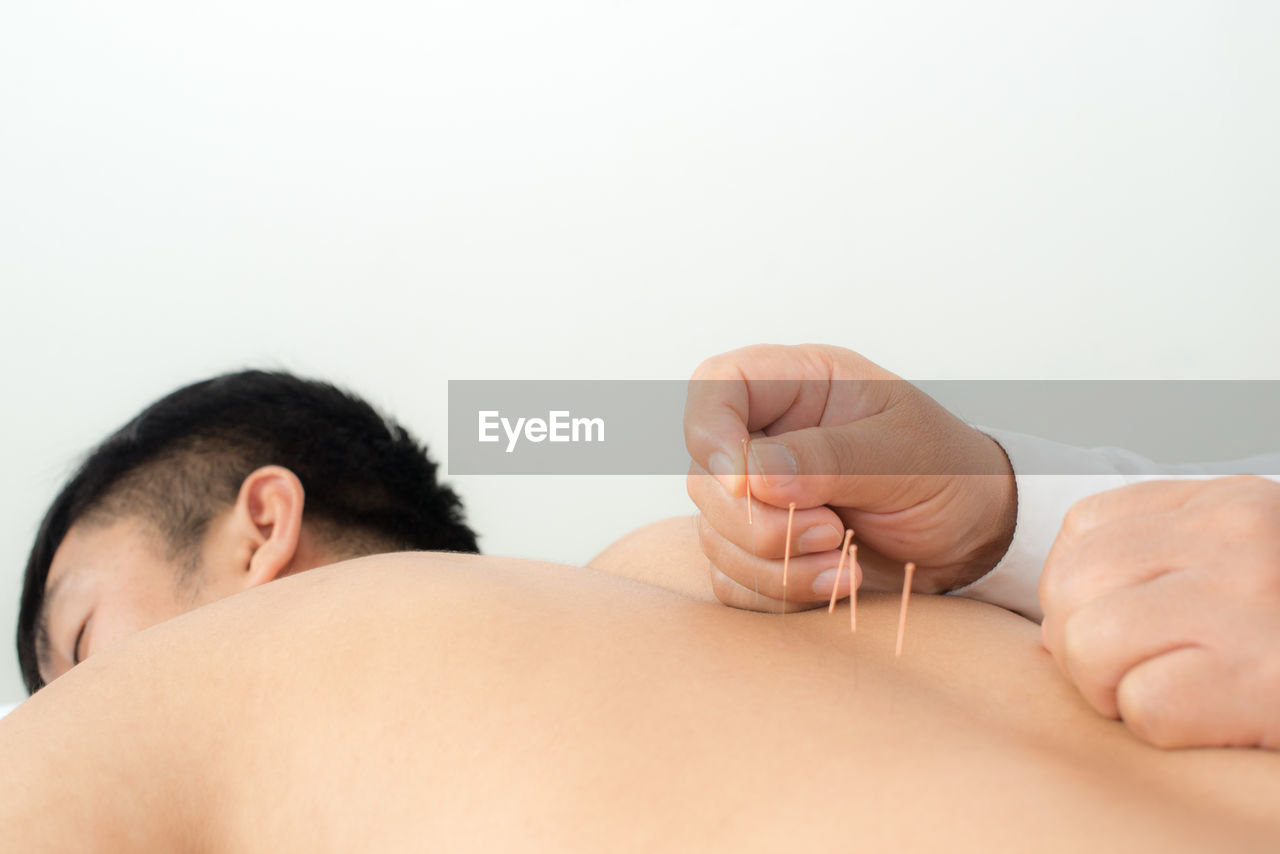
point(393, 195)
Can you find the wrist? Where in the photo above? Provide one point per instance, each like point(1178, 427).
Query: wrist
point(997, 495)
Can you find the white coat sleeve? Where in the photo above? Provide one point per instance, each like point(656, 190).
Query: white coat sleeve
point(1050, 477)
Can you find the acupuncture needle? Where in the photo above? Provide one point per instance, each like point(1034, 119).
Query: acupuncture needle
point(786, 557)
point(906, 596)
point(755, 560)
point(844, 553)
point(853, 589)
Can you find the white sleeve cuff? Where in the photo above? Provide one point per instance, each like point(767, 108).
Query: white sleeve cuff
point(1043, 502)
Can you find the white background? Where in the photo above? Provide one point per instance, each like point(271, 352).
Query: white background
point(393, 195)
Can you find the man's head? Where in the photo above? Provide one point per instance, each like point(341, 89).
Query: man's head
point(203, 494)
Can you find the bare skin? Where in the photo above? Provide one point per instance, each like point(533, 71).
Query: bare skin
point(441, 702)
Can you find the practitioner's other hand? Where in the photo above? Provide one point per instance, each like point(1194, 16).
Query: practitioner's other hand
point(854, 447)
point(1162, 604)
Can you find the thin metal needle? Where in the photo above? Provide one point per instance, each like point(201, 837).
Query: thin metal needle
point(786, 557)
point(853, 589)
point(755, 568)
point(844, 553)
point(906, 597)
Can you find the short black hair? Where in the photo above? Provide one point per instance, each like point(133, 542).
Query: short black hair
point(184, 457)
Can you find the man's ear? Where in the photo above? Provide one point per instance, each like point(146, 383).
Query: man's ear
point(268, 515)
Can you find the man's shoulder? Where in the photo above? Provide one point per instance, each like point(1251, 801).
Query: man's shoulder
point(666, 554)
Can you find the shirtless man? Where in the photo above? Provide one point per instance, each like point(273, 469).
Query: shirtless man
point(1156, 597)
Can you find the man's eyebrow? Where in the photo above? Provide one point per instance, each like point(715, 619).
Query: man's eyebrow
point(42, 623)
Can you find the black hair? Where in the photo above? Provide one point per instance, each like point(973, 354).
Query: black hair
point(184, 457)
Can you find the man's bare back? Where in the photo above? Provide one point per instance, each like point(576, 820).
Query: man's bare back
point(427, 701)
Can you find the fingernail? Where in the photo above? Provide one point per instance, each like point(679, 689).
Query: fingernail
point(826, 578)
point(775, 462)
point(819, 538)
point(722, 467)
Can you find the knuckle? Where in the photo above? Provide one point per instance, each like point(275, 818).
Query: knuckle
point(729, 365)
point(843, 362)
point(1266, 489)
point(713, 367)
point(1081, 515)
point(1247, 483)
point(1252, 517)
point(1257, 582)
point(1146, 712)
point(1148, 703)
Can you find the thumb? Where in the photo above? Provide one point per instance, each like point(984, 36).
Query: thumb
point(843, 466)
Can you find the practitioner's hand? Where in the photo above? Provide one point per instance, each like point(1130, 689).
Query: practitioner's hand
point(853, 446)
point(1162, 604)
